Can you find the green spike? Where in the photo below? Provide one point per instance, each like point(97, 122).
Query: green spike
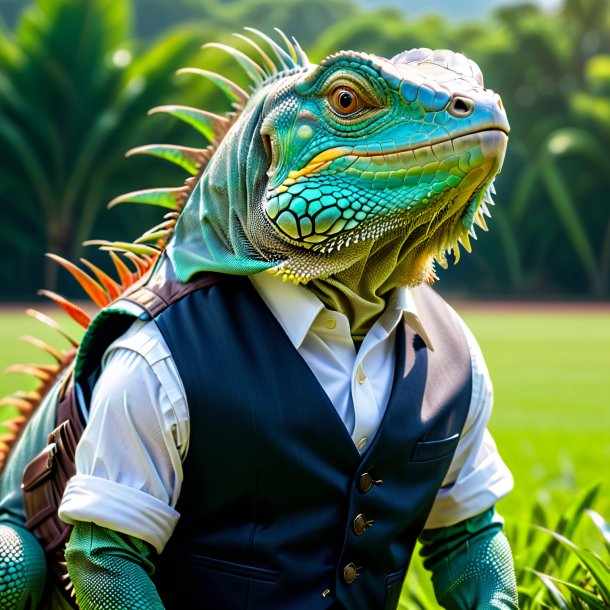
point(165, 198)
point(271, 67)
point(187, 158)
point(234, 93)
point(122, 246)
point(465, 241)
point(283, 57)
point(303, 59)
point(250, 67)
point(163, 226)
point(153, 237)
point(289, 46)
point(206, 123)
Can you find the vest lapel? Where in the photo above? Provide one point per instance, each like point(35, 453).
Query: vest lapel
point(402, 414)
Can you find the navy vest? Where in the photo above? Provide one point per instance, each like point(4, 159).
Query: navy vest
point(279, 511)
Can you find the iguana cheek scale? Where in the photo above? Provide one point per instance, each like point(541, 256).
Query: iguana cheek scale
point(308, 208)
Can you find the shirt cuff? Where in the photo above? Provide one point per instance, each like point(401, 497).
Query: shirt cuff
point(471, 495)
point(120, 508)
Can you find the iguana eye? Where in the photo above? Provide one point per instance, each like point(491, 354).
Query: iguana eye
point(345, 101)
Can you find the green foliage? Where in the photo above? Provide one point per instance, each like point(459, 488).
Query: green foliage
point(553, 570)
point(72, 101)
point(559, 161)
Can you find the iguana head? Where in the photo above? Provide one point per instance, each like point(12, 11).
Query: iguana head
point(355, 159)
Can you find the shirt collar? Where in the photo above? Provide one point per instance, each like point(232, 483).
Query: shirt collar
point(296, 308)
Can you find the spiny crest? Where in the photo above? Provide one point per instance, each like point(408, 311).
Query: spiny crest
point(284, 60)
point(132, 261)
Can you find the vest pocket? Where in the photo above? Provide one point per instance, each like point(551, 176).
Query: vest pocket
point(425, 451)
point(236, 569)
point(393, 588)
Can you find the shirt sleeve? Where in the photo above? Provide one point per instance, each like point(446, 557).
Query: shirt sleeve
point(129, 459)
point(477, 477)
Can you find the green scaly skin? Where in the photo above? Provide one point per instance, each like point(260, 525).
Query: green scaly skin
point(351, 177)
point(22, 569)
point(471, 564)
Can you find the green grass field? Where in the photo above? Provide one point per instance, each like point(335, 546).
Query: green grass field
point(551, 373)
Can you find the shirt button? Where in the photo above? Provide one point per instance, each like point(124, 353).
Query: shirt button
point(362, 443)
point(350, 573)
point(331, 323)
point(360, 375)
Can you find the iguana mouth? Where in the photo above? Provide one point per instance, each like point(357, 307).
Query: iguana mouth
point(324, 159)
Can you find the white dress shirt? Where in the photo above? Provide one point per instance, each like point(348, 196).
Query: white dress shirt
point(129, 460)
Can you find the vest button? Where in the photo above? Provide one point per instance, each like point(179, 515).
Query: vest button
point(350, 573)
point(365, 482)
point(360, 524)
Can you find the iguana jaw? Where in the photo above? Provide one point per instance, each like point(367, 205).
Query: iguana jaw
point(324, 159)
point(420, 235)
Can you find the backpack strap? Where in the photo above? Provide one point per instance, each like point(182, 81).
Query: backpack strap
point(44, 481)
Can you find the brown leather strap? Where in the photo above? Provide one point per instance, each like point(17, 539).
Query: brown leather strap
point(157, 295)
point(44, 481)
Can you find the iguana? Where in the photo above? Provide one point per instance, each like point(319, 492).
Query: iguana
point(352, 178)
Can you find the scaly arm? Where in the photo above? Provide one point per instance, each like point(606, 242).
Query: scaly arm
point(23, 569)
point(111, 570)
point(471, 564)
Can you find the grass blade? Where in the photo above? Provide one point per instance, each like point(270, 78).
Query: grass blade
point(602, 525)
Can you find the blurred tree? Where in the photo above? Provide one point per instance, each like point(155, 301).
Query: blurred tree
point(558, 208)
point(72, 101)
point(549, 230)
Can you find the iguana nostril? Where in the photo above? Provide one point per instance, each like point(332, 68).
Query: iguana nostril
point(461, 107)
